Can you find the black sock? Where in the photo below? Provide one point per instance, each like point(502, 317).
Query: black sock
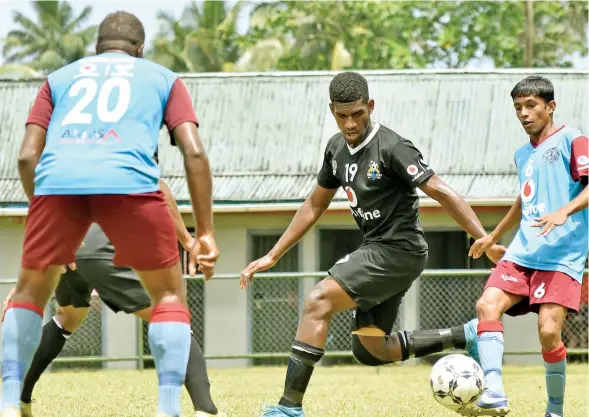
point(416, 344)
point(197, 381)
point(301, 363)
point(51, 344)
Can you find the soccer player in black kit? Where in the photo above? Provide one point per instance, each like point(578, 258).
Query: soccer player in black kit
point(380, 171)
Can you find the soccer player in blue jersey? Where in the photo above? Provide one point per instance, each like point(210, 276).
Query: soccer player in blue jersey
point(542, 270)
point(87, 157)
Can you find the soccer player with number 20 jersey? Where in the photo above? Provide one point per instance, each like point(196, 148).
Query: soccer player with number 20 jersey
point(88, 157)
point(542, 270)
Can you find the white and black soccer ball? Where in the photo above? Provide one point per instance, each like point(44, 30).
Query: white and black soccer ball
point(457, 381)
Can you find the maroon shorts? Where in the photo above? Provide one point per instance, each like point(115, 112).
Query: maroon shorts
point(139, 226)
point(539, 287)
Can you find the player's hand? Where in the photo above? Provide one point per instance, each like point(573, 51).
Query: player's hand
point(549, 222)
point(204, 252)
point(481, 246)
point(72, 266)
point(188, 244)
point(495, 253)
point(259, 265)
point(7, 301)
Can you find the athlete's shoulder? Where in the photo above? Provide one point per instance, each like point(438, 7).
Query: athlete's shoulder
point(569, 133)
point(389, 139)
point(335, 144)
point(67, 72)
point(156, 68)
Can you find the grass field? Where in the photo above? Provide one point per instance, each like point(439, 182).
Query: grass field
point(393, 391)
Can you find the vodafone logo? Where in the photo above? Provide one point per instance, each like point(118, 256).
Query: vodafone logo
point(412, 170)
point(582, 160)
point(528, 190)
point(352, 200)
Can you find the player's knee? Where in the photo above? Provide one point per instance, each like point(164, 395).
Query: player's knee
point(487, 308)
point(318, 304)
point(550, 334)
point(70, 318)
point(368, 355)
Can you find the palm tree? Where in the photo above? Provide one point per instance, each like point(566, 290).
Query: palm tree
point(58, 36)
point(203, 40)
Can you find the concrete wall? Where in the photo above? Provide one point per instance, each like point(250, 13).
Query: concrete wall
point(226, 322)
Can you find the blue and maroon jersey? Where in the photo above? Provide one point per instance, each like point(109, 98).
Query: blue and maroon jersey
point(551, 174)
point(103, 115)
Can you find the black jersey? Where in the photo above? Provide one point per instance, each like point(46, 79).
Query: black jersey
point(379, 177)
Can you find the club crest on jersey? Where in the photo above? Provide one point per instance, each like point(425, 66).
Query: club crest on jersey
point(551, 155)
point(334, 166)
point(373, 171)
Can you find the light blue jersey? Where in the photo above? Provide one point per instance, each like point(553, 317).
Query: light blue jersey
point(103, 133)
point(549, 177)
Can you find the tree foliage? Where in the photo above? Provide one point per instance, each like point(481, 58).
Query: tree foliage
point(414, 34)
point(57, 36)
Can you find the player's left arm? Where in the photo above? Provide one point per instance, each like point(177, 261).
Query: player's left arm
point(409, 165)
point(579, 166)
point(34, 139)
point(454, 204)
point(182, 233)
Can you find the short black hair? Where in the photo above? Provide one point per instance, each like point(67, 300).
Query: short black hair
point(120, 30)
point(534, 85)
point(348, 87)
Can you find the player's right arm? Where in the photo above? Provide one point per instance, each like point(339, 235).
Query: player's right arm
point(183, 126)
point(305, 217)
point(512, 218)
point(34, 139)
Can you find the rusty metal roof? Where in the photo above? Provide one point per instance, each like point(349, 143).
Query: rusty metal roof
point(265, 133)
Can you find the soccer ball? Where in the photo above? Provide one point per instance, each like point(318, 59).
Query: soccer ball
point(457, 381)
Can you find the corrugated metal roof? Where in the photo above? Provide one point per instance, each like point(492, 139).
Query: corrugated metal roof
point(265, 133)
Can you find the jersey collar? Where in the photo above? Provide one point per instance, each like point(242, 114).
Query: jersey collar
point(535, 145)
point(372, 134)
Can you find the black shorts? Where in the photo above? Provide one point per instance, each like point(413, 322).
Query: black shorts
point(377, 276)
point(119, 288)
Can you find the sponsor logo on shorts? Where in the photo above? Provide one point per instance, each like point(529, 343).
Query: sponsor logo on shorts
point(507, 277)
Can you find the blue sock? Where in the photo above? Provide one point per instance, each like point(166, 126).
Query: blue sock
point(555, 363)
point(169, 341)
point(21, 335)
point(490, 347)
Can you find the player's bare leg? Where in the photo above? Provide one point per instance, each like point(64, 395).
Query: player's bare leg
point(21, 332)
point(373, 347)
point(197, 381)
point(326, 299)
point(169, 334)
point(66, 320)
point(550, 321)
point(490, 308)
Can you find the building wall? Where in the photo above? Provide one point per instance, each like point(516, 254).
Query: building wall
point(226, 320)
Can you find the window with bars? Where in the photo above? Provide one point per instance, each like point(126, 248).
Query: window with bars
point(273, 303)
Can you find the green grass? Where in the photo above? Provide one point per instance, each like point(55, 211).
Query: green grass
point(393, 391)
